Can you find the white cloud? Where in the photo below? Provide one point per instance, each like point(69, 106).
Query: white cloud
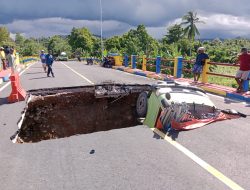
point(216, 25)
point(226, 25)
point(225, 18)
point(224, 21)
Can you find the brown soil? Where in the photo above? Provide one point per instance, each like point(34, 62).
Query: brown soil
point(58, 115)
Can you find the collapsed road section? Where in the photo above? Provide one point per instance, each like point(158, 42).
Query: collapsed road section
point(63, 112)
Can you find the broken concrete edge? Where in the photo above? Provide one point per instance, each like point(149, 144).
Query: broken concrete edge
point(220, 93)
point(32, 95)
point(14, 137)
point(73, 89)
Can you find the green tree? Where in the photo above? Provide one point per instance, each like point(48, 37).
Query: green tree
point(113, 44)
point(81, 38)
point(43, 41)
point(138, 42)
point(30, 47)
point(4, 36)
point(147, 44)
point(96, 51)
point(59, 44)
point(174, 34)
point(190, 30)
point(189, 22)
point(130, 43)
point(19, 40)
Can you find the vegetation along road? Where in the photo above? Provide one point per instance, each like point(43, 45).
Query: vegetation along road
point(216, 156)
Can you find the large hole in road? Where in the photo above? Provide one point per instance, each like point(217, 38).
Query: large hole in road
point(63, 112)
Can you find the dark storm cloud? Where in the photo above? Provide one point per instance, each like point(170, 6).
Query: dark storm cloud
point(59, 26)
point(119, 15)
point(133, 12)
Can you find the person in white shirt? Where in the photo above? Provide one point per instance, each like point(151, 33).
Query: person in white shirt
point(43, 61)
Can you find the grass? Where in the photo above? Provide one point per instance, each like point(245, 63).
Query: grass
point(223, 80)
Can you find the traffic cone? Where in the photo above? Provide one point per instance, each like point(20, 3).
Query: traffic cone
point(18, 93)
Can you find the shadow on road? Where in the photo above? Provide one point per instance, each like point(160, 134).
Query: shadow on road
point(156, 136)
point(230, 101)
point(33, 73)
point(33, 67)
point(3, 101)
point(39, 78)
point(173, 134)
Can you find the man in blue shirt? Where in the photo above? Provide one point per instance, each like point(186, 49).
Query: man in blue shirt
point(49, 62)
point(199, 63)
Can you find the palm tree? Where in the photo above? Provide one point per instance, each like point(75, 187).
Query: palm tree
point(189, 22)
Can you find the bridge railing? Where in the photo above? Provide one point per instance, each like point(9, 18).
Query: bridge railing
point(167, 66)
point(177, 67)
point(28, 59)
point(207, 72)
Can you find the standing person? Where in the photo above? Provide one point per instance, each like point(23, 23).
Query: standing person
point(2, 57)
point(49, 61)
point(7, 51)
point(78, 55)
point(244, 70)
point(11, 60)
point(199, 63)
point(43, 60)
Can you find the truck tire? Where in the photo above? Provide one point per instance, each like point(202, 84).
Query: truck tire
point(142, 104)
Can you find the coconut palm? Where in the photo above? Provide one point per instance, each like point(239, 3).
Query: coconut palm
point(189, 22)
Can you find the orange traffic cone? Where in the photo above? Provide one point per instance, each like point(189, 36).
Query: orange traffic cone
point(18, 93)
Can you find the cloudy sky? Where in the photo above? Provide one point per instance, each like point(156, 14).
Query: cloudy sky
point(36, 18)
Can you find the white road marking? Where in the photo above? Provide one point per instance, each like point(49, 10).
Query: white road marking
point(8, 83)
point(178, 146)
point(80, 75)
point(188, 153)
point(231, 184)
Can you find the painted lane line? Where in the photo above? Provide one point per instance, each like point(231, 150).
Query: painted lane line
point(8, 83)
point(4, 86)
point(188, 153)
point(78, 73)
point(231, 184)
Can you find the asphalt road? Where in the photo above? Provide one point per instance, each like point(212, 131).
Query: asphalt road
point(130, 158)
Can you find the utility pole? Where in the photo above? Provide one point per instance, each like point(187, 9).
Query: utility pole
point(101, 28)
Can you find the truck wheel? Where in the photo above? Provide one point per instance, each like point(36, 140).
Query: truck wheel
point(142, 104)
